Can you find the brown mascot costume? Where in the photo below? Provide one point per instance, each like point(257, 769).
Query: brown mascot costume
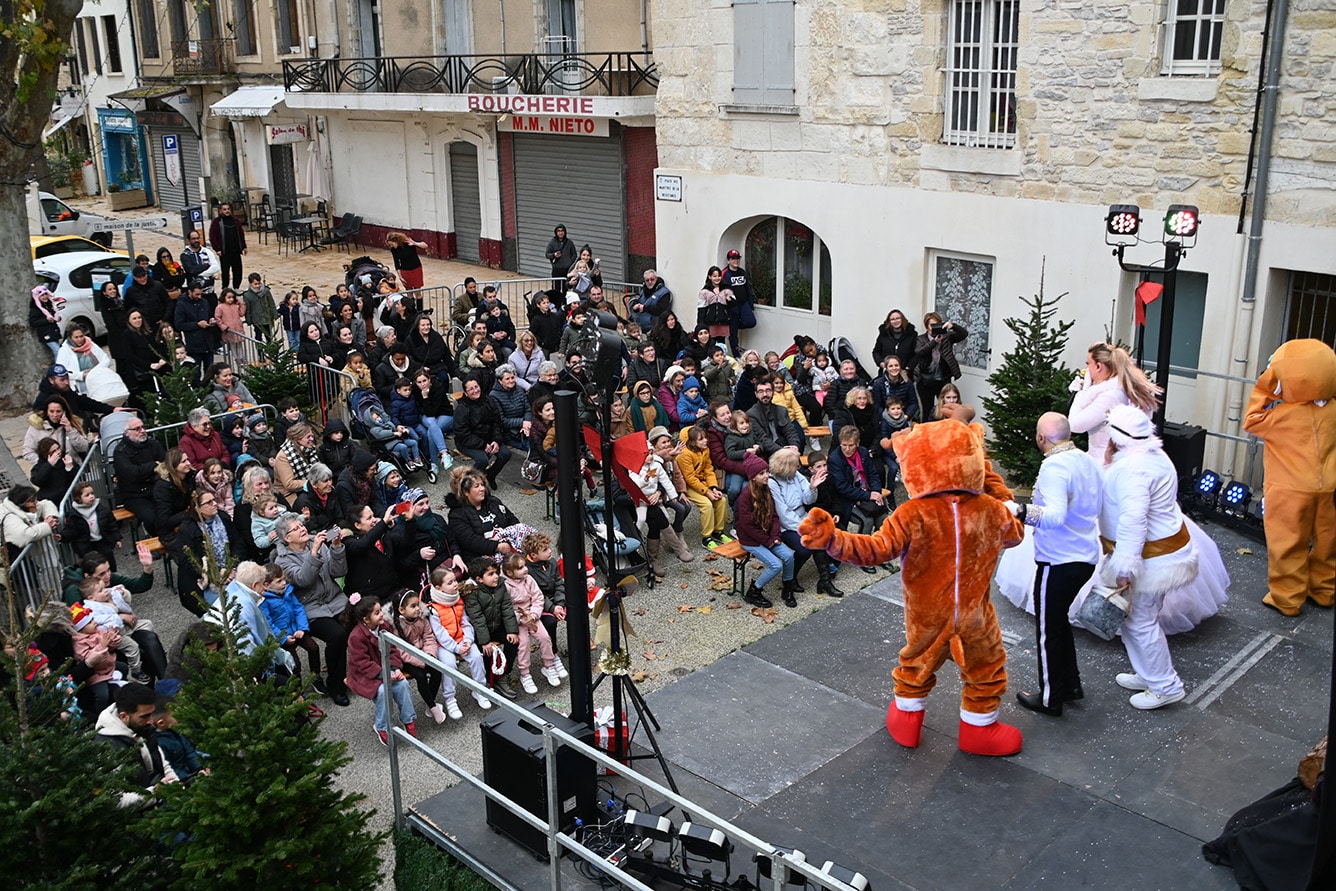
point(948, 536)
point(1292, 411)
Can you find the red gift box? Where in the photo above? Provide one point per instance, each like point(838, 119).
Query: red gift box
point(603, 735)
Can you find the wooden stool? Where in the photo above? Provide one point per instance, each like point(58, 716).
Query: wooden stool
point(738, 554)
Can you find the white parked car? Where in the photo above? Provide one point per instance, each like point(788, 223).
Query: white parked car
point(74, 279)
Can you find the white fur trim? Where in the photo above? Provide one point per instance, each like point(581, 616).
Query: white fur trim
point(908, 705)
point(1156, 575)
point(977, 720)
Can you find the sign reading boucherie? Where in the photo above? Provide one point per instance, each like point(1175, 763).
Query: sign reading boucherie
point(545, 105)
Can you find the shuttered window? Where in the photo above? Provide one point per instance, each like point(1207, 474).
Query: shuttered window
point(763, 52)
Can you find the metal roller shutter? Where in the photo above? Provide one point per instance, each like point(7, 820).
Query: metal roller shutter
point(464, 199)
point(576, 181)
point(172, 197)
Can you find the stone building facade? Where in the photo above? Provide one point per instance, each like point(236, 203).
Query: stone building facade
point(936, 154)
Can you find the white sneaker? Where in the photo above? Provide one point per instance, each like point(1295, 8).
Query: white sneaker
point(483, 701)
point(452, 709)
point(814, 443)
point(552, 677)
point(438, 713)
point(1148, 700)
point(558, 667)
point(1131, 681)
point(527, 683)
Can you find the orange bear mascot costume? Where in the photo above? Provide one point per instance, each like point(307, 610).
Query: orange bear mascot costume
point(948, 535)
point(1292, 410)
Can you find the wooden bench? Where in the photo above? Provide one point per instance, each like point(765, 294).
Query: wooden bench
point(817, 432)
point(124, 514)
point(738, 554)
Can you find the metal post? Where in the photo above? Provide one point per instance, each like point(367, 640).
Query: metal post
point(572, 547)
point(399, 823)
point(554, 851)
point(1173, 252)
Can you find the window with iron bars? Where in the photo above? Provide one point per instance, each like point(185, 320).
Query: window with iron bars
point(982, 46)
point(1192, 33)
point(1311, 311)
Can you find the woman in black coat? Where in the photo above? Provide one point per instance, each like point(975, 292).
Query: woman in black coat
point(427, 348)
point(935, 357)
point(475, 513)
point(480, 431)
point(44, 319)
point(205, 537)
point(545, 323)
point(171, 494)
point(54, 471)
point(896, 337)
point(371, 569)
point(143, 358)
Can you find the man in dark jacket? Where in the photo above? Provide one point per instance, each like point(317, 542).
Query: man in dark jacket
point(128, 724)
point(645, 365)
point(136, 459)
point(228, 238)
point(195, 324)
point(147, 296)
point(653, 301)
point(480, 431)
point(735, 279)
point(772, 421)
point(561, 254)
point(57, 383)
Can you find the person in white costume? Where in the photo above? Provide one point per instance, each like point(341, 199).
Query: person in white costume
point(1112, 379)
point(1148, 550)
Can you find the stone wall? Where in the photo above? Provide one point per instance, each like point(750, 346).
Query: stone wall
point(1098, 123)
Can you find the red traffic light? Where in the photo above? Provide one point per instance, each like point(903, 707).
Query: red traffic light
point(1182, 221)
point(1123, 219)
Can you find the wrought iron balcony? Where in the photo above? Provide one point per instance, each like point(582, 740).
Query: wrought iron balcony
point(202, 57)
point(600, 74)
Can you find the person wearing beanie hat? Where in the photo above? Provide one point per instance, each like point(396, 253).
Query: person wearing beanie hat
point(1148, 549)
point(356, 488)
point(95, 649)
point(759, 531)
point(36, 664)
point(670, 392)
point(692, 405)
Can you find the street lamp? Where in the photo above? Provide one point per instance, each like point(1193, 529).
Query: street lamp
point(1122, 229)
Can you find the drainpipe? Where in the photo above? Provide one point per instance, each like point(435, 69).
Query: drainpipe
point(1243, 327)
point(502, 5)
point(644, 27)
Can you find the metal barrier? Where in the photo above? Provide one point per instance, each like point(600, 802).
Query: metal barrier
point(515, 294)
point(329, 392)
point(36, 575)
point(245, 351)
point(170, 434)
point(782, 865)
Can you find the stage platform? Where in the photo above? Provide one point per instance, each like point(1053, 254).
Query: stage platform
point(786, 738)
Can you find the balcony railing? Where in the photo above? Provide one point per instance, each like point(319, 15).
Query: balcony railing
point(195, 57)
point(603, 74)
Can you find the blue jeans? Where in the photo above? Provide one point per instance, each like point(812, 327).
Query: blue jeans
point(777, 558)
point(403, 697)
point(404, 449)
point(294, 338)
point(733, 483)
point(430, 438)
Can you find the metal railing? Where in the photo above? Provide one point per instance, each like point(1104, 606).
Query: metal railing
point(246, 350)
point(329, 392)
point(35, 575)
point(516, 295)
point(559, 843)
point(1253, 470)
point(209, 56)
point(498, 78)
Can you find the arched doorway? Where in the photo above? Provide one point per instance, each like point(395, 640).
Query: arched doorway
point(791, 278)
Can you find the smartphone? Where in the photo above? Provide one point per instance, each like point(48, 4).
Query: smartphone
point(402, 508)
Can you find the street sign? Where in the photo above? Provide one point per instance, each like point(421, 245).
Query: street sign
point(171, 158)
point(130, 225)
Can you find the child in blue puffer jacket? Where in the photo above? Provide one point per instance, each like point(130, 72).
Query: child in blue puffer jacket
point(287, 619)
point(406, 412)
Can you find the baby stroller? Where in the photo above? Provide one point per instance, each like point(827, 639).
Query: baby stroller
point(364, 408)
point(363, 276)
point(629, 556)
point(840, 349)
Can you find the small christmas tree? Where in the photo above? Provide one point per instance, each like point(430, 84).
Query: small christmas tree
point(1031, 380)
point(269, 814)
point(278, 374)
point(177, 392)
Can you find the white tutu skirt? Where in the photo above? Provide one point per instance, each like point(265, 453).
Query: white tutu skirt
point(1184, 608)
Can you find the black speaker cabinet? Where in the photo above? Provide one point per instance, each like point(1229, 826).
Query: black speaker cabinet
point(1186, 447)
point(514, 763)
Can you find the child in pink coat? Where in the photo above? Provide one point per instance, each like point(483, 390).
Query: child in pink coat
point(528, 602)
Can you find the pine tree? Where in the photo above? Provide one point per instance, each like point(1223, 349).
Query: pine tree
point(278, 374)
point(1031, 380)
point(269, 814)
point(176, 395)
point(60, 787)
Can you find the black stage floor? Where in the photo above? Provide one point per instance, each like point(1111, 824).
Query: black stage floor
point(786, 738)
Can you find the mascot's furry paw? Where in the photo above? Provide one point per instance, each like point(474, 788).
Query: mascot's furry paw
point(817, 530)
point(996, 739)
point(906, 728)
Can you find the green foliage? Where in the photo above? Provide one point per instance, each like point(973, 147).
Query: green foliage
point(35, 29)
point(278, 374)
point(420, 864)
point(1031, 380)
point(179, 394)
point(270, 813)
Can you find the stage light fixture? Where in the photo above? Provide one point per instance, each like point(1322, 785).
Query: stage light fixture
point(1208, 485)
point(852, 878)
point(1122, 224)
point(1235, 497)
point(705, 841)
point(763, 866)
point(1181, 222)
point(649, 826)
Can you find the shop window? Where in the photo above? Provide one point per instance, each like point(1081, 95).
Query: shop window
point(1311, 310)
point(1189, 314)
point(147, 26)
point(1192, 34)
point(982, 47)
point(962, 292)
point(763, 52)
point(789, 265)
